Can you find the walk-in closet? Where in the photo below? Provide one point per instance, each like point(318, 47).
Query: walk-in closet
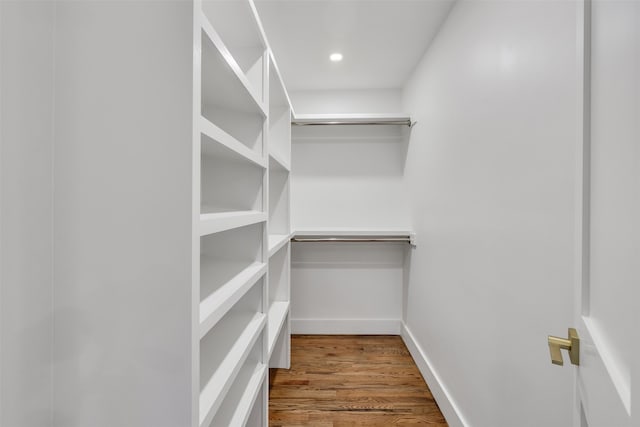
point(229, 213)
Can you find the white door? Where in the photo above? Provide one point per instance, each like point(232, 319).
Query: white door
point(607, 297)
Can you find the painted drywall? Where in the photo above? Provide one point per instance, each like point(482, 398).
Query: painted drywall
point(123, 214)
point(346, 101)
point(490, 168)
point(349, 177)
point(26, 147)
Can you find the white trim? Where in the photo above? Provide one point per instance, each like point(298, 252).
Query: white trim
point(447, 405)
point(346, 326)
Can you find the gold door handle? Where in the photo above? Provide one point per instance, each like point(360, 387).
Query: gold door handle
point(572, 344)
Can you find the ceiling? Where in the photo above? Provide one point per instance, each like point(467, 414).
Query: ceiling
point(381, 40)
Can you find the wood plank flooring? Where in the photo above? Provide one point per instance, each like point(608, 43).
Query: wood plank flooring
point(349, 380)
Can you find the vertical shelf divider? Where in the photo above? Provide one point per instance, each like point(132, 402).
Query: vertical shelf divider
point(279, 223)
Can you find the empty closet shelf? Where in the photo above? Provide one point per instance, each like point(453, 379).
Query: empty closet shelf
point(221, 221)
point(277, 315)
point(219, 384)
point(352, 239)
point(277, 241)
point(278, 162)
point(241, 397)
point(231, 89)
point(218, 303)
point(217, 141)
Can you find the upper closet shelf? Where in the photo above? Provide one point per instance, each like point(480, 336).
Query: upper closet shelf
point(218, 61)
point(222, 138)
point(352, 119)
point(221, 221)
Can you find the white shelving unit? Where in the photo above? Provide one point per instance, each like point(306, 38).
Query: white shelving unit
point(241, 228)
point(352, 231)
point(279, 246)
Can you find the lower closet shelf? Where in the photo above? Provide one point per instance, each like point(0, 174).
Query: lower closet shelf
point(277, 314)
point(277, 241)
point(214, 392)
point(214, 306)
point(221, 221)
point(241, 397)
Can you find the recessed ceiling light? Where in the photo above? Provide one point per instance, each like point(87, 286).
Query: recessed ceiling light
point(335, 57)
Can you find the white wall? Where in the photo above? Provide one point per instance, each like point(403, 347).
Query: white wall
point(346, 101)
point(122, 214)
point(26, 147)
point(347, 177)
point(490, 168)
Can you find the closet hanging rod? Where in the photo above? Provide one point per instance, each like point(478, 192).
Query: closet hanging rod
point(343, 239)
point(350, 123)
point(393, 119)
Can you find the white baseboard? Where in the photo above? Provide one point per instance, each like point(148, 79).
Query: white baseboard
point(346, 326)
point(448, 407)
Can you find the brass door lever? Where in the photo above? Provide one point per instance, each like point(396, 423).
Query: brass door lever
point(572, 344)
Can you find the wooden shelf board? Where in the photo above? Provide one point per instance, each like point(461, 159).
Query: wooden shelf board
point(213, 393)
point(216, 305)
point(277, 315)
point(277, 162)
point(277, 241)
point(211, 223)
point(348, 231)
point(244, 399)
point(219, 136)
point(225, 54)
point(237, 22)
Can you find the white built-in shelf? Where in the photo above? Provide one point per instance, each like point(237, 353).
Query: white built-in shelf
point(277, 314)
point(243, 116)
point(241, 397)
point(238, 25)
point(348, 231)
point(352, 119)
point(221, 221)
point(219, 302)
point(220, 143)
point(279, 120)
point(278, 91)
point(223, 81)
point(277, 162)
point(277, 242)
point(215, 390)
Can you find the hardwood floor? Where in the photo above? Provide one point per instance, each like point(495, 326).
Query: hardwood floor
point(338, 380)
